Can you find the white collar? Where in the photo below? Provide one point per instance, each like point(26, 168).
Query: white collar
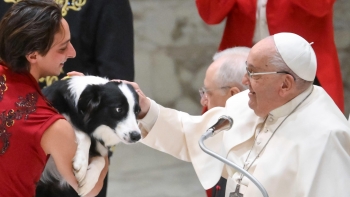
point(287, 108)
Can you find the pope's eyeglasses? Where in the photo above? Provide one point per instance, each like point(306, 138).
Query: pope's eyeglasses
point(251, 74)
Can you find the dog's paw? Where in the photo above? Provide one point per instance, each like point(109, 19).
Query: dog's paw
point(91, 177)
point(88, 183)
point(81, 158)
point(80, 165)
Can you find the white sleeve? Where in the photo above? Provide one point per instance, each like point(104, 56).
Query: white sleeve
point(150, 119)
point(177, 133)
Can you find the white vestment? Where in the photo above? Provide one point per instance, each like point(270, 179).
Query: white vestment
point(308, 155)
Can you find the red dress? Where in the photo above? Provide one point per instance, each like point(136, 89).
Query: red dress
point(25, 115)
point(311, 19)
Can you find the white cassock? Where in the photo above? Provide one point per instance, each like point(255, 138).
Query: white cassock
point(308, 154)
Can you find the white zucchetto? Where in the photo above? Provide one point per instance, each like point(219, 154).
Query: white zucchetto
point(297, 53)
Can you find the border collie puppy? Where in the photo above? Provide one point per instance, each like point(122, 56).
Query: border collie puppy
point(102, 113)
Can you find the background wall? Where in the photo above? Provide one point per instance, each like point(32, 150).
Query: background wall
point(173, 48)
point(342, 39)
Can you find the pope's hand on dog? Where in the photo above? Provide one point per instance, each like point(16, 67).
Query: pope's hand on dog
point(144, 102)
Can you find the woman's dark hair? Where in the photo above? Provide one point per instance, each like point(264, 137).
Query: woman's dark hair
point(28, 26)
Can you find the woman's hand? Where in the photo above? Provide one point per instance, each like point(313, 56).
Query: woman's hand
point(75, 73)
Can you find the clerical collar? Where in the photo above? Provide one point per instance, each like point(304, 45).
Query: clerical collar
point(287, 108)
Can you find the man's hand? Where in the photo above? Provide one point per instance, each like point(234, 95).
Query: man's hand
point(144, 102)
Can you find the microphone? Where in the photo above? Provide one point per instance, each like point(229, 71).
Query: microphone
point(225, 123)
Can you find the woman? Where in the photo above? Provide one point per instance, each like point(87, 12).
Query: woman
point(34, 43)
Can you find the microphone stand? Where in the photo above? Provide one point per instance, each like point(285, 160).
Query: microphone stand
point(225, 123)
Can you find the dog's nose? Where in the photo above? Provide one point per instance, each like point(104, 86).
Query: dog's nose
point(135, 136)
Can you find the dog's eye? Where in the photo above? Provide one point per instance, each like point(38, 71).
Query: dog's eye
point(137, 111)
point(118, 109)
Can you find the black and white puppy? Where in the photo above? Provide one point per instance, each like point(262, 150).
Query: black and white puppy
point(102, 113)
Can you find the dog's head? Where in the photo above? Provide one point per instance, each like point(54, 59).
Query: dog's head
point(109, 109)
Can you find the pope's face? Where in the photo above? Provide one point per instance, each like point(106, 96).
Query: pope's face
point(264, 89)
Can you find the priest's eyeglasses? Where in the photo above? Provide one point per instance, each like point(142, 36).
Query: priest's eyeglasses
point(251, 74)
point(203, 91)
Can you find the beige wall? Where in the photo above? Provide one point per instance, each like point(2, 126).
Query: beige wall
point(342, 39)
point(173, 48)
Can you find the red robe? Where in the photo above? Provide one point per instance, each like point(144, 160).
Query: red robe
point(311, 19)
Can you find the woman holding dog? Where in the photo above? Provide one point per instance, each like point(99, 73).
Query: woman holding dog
point(34, 43)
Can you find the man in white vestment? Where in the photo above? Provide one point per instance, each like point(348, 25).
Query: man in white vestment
point(287, 133)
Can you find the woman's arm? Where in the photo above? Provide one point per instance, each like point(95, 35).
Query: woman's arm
point(59, 141)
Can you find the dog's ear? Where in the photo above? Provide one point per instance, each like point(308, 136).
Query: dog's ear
point(89, 100)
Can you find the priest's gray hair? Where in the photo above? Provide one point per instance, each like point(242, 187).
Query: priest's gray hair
point(232, 71)
point(277, 60)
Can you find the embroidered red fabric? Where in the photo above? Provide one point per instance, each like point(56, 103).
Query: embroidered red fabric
point(24, 116)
